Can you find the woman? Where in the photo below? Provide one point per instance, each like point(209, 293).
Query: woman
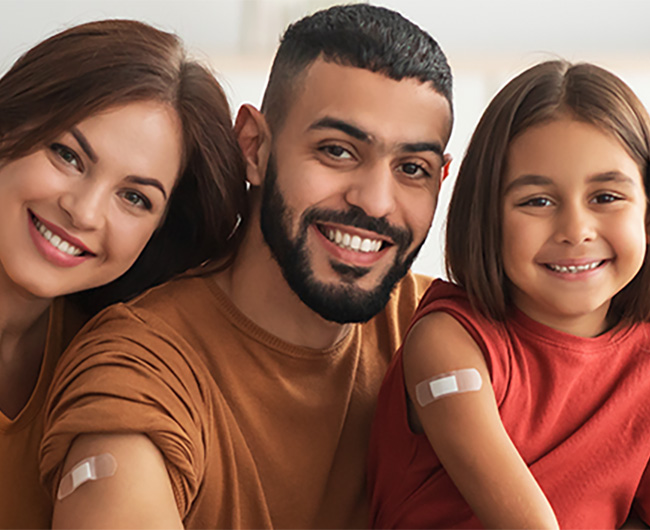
point(113, 145)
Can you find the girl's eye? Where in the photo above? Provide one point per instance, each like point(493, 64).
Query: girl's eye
point(67, 155)
point(538, 202)
point(414, 171)
point(336, 151)
point(136, 199)
point(606, 198)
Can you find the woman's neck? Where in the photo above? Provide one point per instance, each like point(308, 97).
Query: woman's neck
point(23, 333)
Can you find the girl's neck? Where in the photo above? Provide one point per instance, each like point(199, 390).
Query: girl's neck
point(23, 332)
point(586, 325)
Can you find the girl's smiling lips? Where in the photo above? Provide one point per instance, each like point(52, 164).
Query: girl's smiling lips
point(575, 267)
point(55, 244)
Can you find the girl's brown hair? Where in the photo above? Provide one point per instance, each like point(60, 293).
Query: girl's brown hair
point(92, 67)
point(542, 93)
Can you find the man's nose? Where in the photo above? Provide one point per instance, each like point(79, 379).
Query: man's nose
point(374, 191)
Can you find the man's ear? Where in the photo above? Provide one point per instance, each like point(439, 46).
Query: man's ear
point(444, 171)
point(254, 137)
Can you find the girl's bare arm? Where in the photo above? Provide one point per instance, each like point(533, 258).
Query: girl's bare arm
point(466, 432)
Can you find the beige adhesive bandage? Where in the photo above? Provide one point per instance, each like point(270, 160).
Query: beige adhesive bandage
point(456, 382)
point(92, 468)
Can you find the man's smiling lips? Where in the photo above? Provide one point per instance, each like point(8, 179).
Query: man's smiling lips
point(353, 245)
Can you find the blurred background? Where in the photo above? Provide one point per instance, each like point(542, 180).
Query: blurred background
point(487, 43)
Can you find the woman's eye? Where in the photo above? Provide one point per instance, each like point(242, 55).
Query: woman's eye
point(336, 151)
point(413, 170)
point(136, 199)
point(67, 155)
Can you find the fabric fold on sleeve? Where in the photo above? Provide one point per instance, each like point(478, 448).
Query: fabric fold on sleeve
point(124, 374)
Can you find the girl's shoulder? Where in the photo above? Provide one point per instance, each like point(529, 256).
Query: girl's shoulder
point(446, 297)
point(448, 322)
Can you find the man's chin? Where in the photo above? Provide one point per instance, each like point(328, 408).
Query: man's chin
point(342, 301)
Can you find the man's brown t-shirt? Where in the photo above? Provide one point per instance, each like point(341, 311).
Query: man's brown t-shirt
point(255, 432)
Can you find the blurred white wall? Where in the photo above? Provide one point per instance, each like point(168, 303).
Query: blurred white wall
point(487, 43)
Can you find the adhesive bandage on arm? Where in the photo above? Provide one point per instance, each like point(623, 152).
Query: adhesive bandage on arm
point(456, 382)
point(92, 468)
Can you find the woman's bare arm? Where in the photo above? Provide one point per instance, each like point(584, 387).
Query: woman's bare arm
point(138, 495)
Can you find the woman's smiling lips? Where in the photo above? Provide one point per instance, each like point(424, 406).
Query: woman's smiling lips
point(55, 244)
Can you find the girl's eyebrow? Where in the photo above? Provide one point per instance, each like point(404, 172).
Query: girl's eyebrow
point(528, 180)
point(612, 176)
point(539, 180)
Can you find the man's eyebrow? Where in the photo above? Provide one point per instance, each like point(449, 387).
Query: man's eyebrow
point(85, 145)
point(147, 182)
point(528, 180)
point(418, 147)
point(343, 126)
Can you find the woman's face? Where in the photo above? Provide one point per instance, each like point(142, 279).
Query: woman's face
point(77, 212)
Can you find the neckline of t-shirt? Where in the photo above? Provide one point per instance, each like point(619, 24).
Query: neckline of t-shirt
point(52, 351)
point(268, 339)
point(581, 345)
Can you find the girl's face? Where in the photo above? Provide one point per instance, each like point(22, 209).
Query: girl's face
point(77, 212)
point(574, 230)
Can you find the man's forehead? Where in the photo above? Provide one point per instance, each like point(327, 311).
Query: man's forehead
point(377, 106)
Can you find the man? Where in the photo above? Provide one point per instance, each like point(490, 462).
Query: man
point(244, 398)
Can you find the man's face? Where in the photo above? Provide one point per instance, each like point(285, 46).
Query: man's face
point(351, 186)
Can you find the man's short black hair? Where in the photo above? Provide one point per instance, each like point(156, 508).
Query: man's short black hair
point(359, 35)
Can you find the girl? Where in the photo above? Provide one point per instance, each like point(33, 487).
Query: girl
point(108, 134)
point(520, 396)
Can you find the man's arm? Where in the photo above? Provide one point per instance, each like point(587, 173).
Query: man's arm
point(138, 495)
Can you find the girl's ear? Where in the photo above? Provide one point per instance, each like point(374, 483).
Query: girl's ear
point(254, 137)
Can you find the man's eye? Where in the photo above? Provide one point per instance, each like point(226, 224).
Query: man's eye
point(66, 154)
point(413, 170)
point(336, 151)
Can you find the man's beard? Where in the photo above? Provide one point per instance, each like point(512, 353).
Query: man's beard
point(342, 303)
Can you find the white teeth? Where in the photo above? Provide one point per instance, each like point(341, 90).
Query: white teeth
point(355, 243)
point(55, 240)
point(572, 269)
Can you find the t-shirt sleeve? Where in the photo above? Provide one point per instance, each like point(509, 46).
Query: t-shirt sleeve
point(123, 374)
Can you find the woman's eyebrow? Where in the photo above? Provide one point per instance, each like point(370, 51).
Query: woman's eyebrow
point(85, 145)
point(147, 182)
